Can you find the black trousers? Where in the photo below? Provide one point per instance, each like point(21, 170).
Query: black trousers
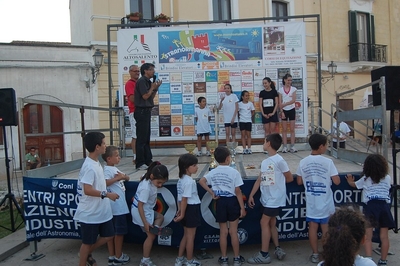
point(143, 151)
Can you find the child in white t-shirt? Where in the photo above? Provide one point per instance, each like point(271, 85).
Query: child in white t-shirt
point(115, 183)
point(316, 173)
point(225, 185)
point(229, 105)
point(246, 114)
point(203, 117)
point(272, 181)
point(189, 213)
point(142, 210)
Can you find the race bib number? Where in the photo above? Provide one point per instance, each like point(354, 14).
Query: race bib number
point(268, 177)
point(268, 102)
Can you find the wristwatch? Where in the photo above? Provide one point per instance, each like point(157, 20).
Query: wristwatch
point(103, 194)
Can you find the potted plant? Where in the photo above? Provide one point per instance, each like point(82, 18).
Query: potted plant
point(134, 16)
point(162, 18)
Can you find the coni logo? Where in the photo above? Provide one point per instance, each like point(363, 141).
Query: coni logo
point(58, 185)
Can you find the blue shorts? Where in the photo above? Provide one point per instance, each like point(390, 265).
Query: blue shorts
point(318, 221)
point(90, 232)
point(227, 209)
point(192, 217)
point(120, 224)
point(378, 214)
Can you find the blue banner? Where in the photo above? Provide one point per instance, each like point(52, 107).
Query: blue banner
point(51, 203)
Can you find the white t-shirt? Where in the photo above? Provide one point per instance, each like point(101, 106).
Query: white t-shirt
point(146, 193)
point(187, 188)
point(273, 182)
point(343, 127)
point(92, 210)
point(118, 206)
point(224, 180)
point(228, 108)
point(287, 97)
point(359, 261)
point(203, 124)
point(372, 190)
point(245, 111)
point(316, 172)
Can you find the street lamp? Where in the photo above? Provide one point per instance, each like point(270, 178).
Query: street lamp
point(332, 67)
point(98, 61)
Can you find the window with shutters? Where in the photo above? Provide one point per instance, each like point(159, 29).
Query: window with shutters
point(222, 10)
point(279, 9)
point(146, 7)
point(362, 46)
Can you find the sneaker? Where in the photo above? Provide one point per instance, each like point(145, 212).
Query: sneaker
point(258, 258)
point(111, 260)
point(192, 262)
point(143, 167)
point(293, 149)
point(284, 150)
point(249, 151)
point(198, 154)
point(382, 262)
point(279, 253)
point(180, 261)
point(208, 153)
point(147, 263)
point(124, 259)
point(314, 258)
point(238, 261)
point(265, 152)
point(245, 151)
point(223, 261)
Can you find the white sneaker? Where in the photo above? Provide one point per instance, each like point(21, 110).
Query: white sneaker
point(280, 253)
point(143, 167)
point(249, 151)
point(245, 151)
point(284, 150)
point(180, 261)
point(208, 153)
point(198, 154)
point(258, 258)
point(293, 149)
point(314, 258)
point(147, 263)
point(192, 262)
point(124, 259)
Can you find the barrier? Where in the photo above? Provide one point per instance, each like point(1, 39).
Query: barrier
point(50, 204)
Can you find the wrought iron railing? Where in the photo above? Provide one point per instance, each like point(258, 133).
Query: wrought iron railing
point(141, 23)
point(367, 52)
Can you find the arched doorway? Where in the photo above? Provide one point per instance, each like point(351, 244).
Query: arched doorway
point(44, 119)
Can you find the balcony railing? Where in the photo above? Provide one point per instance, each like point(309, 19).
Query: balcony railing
point(141, 23)
point(367, 52)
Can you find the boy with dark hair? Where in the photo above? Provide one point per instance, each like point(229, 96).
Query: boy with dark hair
point(115, 183)
point(274, 173)
point(316, 173)
point(94, 211)
point(225, 185)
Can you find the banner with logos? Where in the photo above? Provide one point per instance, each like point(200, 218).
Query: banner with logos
point(199, 61)
point(50, 205)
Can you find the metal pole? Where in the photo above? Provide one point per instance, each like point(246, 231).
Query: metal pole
point(319, 71)
point(110, 84)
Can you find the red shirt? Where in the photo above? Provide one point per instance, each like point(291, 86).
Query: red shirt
point(130, 90)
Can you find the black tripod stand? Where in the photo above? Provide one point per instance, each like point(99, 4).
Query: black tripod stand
point(10, 196)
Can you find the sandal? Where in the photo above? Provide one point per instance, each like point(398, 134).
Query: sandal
point(90, 261)
point(161, 231)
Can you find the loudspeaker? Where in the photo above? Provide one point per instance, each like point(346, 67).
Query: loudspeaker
point(392, 80)
point(8, 109)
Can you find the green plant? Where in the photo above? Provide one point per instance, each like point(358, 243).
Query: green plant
point(161, 16)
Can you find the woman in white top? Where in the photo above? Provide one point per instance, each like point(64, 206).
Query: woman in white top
point(230, 107)
point(287, 99)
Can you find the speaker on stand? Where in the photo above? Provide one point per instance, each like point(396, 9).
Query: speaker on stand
point(8, 117)
point(392, 85)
